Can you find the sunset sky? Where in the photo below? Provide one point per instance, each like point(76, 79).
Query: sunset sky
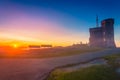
point(56, 22)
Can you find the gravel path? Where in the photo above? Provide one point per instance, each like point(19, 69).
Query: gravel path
point(37, 69)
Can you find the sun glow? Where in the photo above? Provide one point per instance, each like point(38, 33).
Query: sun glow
point(15, 45)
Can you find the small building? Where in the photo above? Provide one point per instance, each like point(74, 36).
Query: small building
point(103, 36)
point(46, 46)
point(34, 47)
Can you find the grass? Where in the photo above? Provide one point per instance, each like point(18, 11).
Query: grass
point(98, 72)
point(91, 73)
point(111, 60)
point(54, 52)
point(112, 57)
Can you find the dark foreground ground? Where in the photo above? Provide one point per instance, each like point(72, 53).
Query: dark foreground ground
point(38, 69)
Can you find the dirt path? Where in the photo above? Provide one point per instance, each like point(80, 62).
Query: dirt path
point(37, 69)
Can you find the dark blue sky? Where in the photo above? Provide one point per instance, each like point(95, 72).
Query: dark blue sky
point(76, 16)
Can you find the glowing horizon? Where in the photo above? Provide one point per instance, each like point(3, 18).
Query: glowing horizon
point(57, 24)
point(31, 31)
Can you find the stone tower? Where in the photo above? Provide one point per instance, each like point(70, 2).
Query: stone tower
point(103, 36)
point(108, 32)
